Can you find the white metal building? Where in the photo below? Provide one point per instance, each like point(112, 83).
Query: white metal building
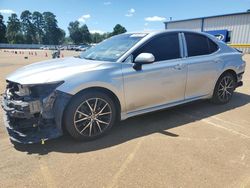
point(235, 28)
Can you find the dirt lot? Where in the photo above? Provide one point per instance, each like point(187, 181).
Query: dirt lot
point(195, 145)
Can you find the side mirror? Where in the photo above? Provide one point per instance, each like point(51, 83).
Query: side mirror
point(143, 58)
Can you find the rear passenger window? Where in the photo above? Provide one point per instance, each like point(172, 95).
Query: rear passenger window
point(212, 46)
point(163, 47)
point(199, 45)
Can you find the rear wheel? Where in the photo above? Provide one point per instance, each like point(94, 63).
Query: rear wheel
point(90, 115)
point(224, 89)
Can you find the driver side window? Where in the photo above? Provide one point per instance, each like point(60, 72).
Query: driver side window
point(163, 47)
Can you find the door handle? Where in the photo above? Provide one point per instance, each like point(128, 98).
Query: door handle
point(178, 67)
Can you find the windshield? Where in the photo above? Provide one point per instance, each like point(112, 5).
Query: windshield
point(112, 49)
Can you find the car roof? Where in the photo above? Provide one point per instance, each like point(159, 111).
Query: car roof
point(156, 32)
point(164, 31)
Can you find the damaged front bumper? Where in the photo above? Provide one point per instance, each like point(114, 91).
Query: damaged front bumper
point(30, 134)
point(33, 119)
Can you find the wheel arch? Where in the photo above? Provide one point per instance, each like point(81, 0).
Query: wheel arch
point(231, 71)
point(105, 90)
point(214, 97)
point(100, 89)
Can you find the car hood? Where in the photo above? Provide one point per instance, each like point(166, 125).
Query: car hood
point(52, 70)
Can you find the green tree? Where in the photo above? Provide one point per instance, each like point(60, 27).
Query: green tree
point(118, 29)
point(2, 30)
point(96, 37)
point(106, 35)
point(67, 40)
point(75, 33)
point(13, 33)
point(38, 24)
point(61, 36)
point(85, 34)
point(28, 27)
point(52, 34)
point(79, 34)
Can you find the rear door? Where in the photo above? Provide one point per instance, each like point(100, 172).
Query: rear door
point(203, 62)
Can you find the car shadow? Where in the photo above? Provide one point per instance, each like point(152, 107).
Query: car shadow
point(157, 122)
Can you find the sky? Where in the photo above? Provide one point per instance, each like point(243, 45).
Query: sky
point(136, 15)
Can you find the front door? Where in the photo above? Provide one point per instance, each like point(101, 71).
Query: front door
point(160, 82)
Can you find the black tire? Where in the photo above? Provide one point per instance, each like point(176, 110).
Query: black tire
point(84, 125)
point(222, 95)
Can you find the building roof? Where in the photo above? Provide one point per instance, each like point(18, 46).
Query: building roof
point(232, 14)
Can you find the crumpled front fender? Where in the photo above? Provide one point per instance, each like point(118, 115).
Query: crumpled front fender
point(61, 102)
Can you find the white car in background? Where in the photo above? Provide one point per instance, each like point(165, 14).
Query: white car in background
point(82, 48)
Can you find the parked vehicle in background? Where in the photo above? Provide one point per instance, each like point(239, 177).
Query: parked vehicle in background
point(63, 48)
point(83, 47)
point(51, 47)
point(72, 47)
point(44, 48)
point(124, 76)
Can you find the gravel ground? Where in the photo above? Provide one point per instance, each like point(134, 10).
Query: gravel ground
point(194, 145)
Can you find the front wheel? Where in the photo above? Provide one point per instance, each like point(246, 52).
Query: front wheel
point(90, 115)
point(224, 89)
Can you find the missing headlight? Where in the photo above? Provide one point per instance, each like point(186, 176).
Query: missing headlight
point(44, 90)
point(23, 91)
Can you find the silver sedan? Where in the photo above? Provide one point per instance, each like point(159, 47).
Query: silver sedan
point(127, 75)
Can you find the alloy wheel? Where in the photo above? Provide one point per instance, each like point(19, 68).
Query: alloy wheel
point(226, 88)
point(92, 117)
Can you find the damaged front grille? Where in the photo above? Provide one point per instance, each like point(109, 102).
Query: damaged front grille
point(18, 101)
point(16, 91)
point(30, 111)
point(30, 101)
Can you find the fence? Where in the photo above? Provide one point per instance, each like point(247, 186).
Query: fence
point(25, 46)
